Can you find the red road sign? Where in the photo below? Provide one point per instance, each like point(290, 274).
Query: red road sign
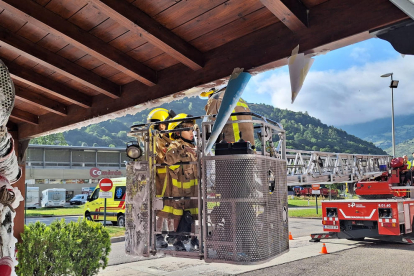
point(316, 186)
point(106, 184)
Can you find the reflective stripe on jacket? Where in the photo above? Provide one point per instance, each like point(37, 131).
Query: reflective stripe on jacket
point(181, 180)
point(231, 131)
point(162, 142)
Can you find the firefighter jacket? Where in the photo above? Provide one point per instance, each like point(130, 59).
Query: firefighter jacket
point(231, 131)
point(181, 180)
point(162, 142)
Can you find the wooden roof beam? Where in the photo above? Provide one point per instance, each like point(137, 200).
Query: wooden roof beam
point(48, 85)
point(143, 25)
point(292, 13)
point(40, 101)
point(24, 116)
point(57, 63)
point(49, 21)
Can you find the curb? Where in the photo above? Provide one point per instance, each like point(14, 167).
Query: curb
point(118, 239)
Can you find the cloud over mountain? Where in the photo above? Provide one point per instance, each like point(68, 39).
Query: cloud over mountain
point(354, 95)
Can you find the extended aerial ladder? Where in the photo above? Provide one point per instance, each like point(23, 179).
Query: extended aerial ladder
point(307, 167)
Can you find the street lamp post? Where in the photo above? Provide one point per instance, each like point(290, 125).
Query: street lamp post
point(394, 84)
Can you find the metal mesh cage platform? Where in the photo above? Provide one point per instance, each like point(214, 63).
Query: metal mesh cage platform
point(244, 222)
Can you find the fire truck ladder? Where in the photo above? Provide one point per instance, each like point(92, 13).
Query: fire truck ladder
point(306, 167)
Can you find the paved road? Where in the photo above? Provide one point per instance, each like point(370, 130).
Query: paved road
point(298, 227)
point(48, 220)
point(304, 227)
point(367, 259)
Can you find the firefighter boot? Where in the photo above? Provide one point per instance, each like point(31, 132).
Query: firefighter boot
point(194, 244)
point(160, 242)
point(178, 245)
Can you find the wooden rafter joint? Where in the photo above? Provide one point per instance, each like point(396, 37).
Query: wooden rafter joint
point(141, 24)
point(40, 101)
point(24, 116)
point(292, 13)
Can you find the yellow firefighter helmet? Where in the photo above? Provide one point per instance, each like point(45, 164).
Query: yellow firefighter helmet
point(158, 114)
point(205, 94)
point(182, 116)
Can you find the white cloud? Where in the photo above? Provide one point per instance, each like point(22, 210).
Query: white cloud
point(350, 96)
point(360, 54)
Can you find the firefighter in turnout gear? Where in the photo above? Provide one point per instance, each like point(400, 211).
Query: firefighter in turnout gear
point(231, 131)
point(181, 180)
point(162, 142)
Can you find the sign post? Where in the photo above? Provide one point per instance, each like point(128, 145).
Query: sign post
point(105, 185)
point(316, 191)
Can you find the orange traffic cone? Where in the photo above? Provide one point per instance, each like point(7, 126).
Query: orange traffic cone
point(324, 251)
point(290, 236)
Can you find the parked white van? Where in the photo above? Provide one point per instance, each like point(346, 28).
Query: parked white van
point(79, 199)
point(53, 197)
point(32, 197)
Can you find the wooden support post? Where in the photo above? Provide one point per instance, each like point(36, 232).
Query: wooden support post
point(20, 149)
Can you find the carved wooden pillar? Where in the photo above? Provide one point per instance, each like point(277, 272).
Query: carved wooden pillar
point(20, 150)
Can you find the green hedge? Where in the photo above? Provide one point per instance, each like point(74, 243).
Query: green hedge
point(77, 248)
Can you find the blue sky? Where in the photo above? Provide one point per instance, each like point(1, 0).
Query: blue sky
point(342, 86)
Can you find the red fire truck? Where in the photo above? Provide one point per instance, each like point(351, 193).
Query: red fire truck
point(307, 191)
point(384, 211)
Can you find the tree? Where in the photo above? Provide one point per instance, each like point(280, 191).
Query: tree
point(52, 139)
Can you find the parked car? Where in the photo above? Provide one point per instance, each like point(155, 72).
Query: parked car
point(79, 199)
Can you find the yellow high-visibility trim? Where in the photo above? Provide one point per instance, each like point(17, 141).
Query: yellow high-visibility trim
point(193, 211)
point(172, 210)
point(173, 167)
point(236, 130)
point(185, 185)
point(161, 170)
point(239, 103)
point(163, 188)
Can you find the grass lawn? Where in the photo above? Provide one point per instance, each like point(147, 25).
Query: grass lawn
point(115, 231)
point(305, 213)
point(301, 202)
point(63, 211)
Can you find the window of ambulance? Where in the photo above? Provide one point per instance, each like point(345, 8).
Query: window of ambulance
point(119, 193)
point(95, 195)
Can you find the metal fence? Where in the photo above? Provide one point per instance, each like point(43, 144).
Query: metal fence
point(41, 156)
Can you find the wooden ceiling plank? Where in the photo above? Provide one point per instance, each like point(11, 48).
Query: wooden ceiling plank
point(292, 13)
point(140, 23)
point(66, 8)
point(48, 85)
point(252, 52)
point(215, 18)
point(40, 101)
point(90, 44)
point(153, 7)
point(185, 11)
point(24, 116)
point(236, 29)
point(57, 63)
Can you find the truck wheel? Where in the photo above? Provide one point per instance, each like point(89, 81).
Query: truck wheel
point(88, 216)
point(121, 221)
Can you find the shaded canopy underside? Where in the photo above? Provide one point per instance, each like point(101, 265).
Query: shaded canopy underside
point(76, 62)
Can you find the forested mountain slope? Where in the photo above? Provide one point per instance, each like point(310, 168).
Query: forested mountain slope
point(303, 131)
